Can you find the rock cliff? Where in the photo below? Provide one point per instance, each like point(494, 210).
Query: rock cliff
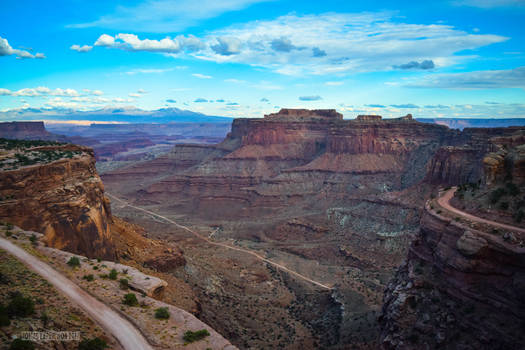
point(25, 131)
point(460, 288)
point(55, 189)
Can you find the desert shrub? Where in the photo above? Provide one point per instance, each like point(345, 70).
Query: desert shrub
point(33, 239)
point(74, 261)
point(190, 337)
point(4, 317)
point(124, 283)
point(89, 277)
point(20, 344)
point(519, 216)
point(8, 233)
point(9, 226)
point(44, 317)
point(113, 274)
point(20, 306)
point(496, 195)
point(162, 313)
point(512, 189)
point(92, 344)
point(130, 299)
point(504, 205)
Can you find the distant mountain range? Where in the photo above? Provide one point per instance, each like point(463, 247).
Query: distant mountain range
point(176, 115)
point(124, 115)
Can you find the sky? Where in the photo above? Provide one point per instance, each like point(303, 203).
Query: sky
point(247, 58)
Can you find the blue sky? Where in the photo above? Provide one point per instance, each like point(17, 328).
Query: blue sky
point(246, 58)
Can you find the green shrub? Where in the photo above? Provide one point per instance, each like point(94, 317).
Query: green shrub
point(124, 283)
point(95, 267)
point(20, 306)
point(504, 205)
point(20, 344)
point(8, 233)
point(92, 344)
point(512, 189)
point(113, 274)
point(9, 226)
point(130, 299)
point(4, 317)
point(44, 317)
point(190, 337)
point(89, 278)
point(33, 239)
point(74, 261)
point(519, 216)
point(496, 195)
point(162, 313)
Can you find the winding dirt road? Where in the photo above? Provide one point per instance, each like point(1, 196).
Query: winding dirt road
point(126, 334)
point(444, 201)
point(218, 244)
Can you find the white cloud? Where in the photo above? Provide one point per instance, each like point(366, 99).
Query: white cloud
point(349, 42)
point(164, 16)
point(78, 48)
point(202, 76)
point(7, 50)
point(134, 94)
point(489, 79)
point(45, 91)
point(168, 45)
point(334, 83)
point(489, 3)
point(148, 71)
point(105, 40)
point(331, 43)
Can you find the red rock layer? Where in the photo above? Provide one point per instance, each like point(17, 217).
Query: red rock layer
point(64, 200)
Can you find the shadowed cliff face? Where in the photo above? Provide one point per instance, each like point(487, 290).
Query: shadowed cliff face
point(458, 289)
point(61, 197)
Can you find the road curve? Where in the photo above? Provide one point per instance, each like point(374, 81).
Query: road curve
point(444, 201)
point(127, 335)
point(206, 239)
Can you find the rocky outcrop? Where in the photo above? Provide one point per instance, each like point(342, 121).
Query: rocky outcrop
point(25, 131)
point(459, 288)
point(63, 198)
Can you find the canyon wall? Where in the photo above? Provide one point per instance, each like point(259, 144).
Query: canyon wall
point(459, 288)
point(63, 199)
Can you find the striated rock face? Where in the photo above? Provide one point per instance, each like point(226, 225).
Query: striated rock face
point(25, 131)
point(475, 155)
point(507, 161)
point(63, 199)
point(459, 288)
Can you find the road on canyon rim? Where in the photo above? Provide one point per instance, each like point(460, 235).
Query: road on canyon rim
point(126, 334)
point(444, 201)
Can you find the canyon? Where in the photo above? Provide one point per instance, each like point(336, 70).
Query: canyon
point(341, 202)
point(336, 200)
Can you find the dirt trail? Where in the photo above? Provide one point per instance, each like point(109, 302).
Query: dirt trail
point(127, 335)
point(206, 239)
point(444, 201)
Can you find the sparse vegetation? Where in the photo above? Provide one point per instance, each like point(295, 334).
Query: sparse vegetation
point(33, 239)
point(20, 344)
point(190, 337)
point(113, 274)
point(496, 195)
point(20, 306)
point(4, 317)
point(124, 284)
point(518, 217)
point(74, 261)
point(162, 313)
point(130, 299)
point(89, 278)
point(92, 344)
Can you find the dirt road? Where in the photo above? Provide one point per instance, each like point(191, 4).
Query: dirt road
point(206, 239)
point(444, 201)
point(126, 334)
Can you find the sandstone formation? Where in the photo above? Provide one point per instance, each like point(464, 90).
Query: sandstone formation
point(57, 191)
point(25, 131)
